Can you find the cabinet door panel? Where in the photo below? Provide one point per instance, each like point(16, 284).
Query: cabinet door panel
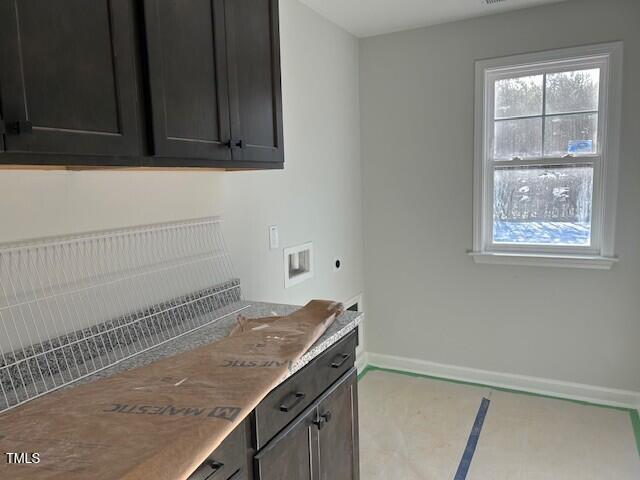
point(291, 454)
point(1, 133)
point(254, 79)
point(70, 71)
point(338, 437)
point(187, 72)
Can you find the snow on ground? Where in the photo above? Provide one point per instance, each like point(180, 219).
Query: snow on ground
point(554, 233)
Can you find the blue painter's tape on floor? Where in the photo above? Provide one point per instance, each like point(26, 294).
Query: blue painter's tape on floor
point(474, 436)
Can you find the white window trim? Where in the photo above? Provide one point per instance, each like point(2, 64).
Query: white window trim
point(604, 215)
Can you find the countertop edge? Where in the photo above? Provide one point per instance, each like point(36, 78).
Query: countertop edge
point(325, 344)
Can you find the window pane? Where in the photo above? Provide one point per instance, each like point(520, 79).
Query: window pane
point(575, 134)
point(518, 138)
point(573, 91)
point(518, 97)
point(543, 205)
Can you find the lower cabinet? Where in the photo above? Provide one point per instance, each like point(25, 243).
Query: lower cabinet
point(293, 454)
point(304, 429)
point(321, 444)
point(231, 460)
point(337, 423)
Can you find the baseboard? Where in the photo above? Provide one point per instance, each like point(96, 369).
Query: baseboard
point(362, 361)
point(540, 386)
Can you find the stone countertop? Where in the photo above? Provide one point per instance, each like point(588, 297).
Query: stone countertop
point(221, 328)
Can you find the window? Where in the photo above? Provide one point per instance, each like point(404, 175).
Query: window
point(546, 157)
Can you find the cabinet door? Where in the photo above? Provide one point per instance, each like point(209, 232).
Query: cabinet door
point(1, 133)
point(292, 454)
point(68, 77)
point(188, 79)
point(338, 434)
point(254, 80)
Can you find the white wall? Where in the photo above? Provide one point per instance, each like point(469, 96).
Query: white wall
point(426, 299)
point(316, 198)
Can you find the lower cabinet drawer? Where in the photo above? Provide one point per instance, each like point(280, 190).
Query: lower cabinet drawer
point(229, 461)
point(289, 399)
point(209, 472)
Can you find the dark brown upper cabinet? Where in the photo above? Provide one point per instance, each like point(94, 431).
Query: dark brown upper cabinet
point(253, 41)
point(159, 83)
point(68, 81)
point(188, 79)
point(2, 131)
point(214, 76)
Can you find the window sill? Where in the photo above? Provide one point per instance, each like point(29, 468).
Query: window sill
point(566, 261)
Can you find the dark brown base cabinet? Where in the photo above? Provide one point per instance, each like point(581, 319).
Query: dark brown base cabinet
point(321, 444)
point(141, 83)
point(305, 429)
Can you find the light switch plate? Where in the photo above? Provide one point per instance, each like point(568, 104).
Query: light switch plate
point(274, 238)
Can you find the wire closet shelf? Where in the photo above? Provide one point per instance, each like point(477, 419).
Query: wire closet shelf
point(72, 306)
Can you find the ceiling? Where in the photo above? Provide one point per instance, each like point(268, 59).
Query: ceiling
point(364, 18)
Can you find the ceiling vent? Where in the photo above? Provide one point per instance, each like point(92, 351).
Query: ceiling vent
point(493, 2)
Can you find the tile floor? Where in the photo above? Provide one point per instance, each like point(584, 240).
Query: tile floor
point(415, 428)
